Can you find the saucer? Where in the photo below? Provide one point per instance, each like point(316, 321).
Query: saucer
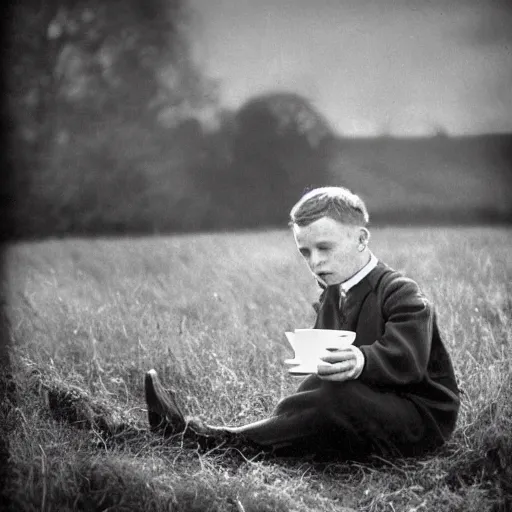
point(303, 369)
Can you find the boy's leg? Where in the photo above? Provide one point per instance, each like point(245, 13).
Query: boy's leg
point(350, 418)
point(309, 383)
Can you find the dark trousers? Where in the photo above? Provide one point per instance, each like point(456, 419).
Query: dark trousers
point(349, 419)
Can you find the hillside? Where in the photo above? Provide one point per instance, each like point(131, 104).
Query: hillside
point(441, 178)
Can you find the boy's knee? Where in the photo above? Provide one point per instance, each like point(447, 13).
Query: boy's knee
point(324, 396)
point(351, 397)
point(299, 402)
point(309, 383)
point(344, 390)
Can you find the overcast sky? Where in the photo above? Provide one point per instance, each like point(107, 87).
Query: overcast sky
point(405, 67)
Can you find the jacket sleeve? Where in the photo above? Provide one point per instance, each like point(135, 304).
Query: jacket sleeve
point(401, 354)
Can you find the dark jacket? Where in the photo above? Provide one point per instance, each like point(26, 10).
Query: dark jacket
point(398, 334)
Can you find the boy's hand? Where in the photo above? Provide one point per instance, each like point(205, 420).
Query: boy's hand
point(341, 365)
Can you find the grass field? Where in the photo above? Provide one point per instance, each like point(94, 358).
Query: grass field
point(208, 312)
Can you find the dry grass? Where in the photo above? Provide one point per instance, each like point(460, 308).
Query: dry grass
point(209, 312)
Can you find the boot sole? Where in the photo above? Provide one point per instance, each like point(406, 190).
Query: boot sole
point(163, 412)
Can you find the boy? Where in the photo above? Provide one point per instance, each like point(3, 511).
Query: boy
point(392, 393)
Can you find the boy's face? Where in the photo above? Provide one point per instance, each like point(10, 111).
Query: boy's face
point(330, 249)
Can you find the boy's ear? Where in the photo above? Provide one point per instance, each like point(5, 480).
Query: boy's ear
point(364, 236)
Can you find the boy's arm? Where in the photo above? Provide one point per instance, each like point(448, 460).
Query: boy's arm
point(401, 355)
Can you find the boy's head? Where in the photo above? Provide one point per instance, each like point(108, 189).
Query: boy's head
point(329, 226)
point(337, 203)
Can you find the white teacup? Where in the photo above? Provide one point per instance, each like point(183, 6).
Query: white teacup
point(309, 345)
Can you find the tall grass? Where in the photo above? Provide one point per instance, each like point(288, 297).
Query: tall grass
point(209, 312)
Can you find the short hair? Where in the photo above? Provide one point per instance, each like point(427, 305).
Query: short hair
point(338, 203)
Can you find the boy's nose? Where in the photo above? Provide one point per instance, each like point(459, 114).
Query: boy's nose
point(315, 260)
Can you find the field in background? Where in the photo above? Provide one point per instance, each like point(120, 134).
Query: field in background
point(208, 312)
point(445, 179)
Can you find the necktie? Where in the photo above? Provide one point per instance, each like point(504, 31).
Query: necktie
point(341, 304)
point(329, 311)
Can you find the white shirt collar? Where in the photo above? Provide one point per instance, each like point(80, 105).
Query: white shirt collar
point(356, 278)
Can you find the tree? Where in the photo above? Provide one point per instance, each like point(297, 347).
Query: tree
point(88, 76)
point(98, 57)
point(281, 146)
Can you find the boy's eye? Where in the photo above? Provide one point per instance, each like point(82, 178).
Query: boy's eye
point(304, 252)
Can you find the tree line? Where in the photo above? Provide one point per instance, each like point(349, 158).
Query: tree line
point(107, 133)
point(113, 128)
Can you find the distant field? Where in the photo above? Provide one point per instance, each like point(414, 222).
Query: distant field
point(208, 312)
point(428, 176)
